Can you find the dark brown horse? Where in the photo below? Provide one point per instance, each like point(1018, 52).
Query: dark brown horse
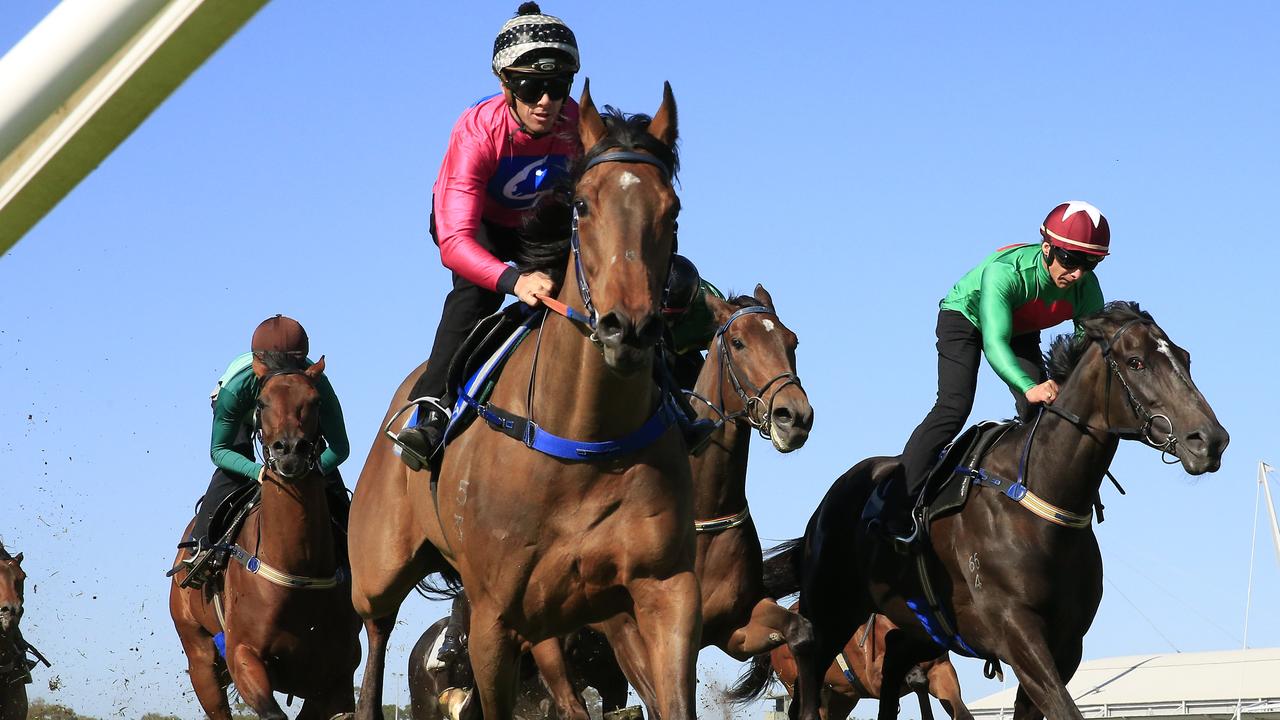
point(431, 687)
point(1017, 573)
point(545, 544)
point(17, 656)
point(748, 386)
point(863, 657)
point(285, 610)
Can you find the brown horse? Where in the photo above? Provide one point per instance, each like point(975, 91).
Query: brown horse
point(547, 544)
point(432, 689)
point(1017, 573)
point(748, 385)
point(284, 610)
point(863, 657)
point(15, 663)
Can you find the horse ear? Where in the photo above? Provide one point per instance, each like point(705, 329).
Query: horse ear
point(663, 125)
point(18, 558)
point(764, 297)
point(314, 371)
point(720, 309)
point(590, 126)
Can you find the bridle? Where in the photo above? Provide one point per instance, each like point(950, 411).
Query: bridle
point(590, 319)
point(268, 457)
point(758, 412)
point(1145, 432)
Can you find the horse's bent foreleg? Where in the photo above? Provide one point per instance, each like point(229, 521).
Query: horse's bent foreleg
point(770, 626)
point(945, 685)
point(377, 631)
point(202, 659)
point(549, 657)
point(495, 662)
point(253, 682)
point(669, 620)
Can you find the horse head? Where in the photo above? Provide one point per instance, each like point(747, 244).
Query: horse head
point(1144, 388)
point(756, 354)
point(289, 420)
point(624, 221)
point(11, 581)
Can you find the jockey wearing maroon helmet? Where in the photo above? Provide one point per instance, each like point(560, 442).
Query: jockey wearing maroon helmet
point(998, 310)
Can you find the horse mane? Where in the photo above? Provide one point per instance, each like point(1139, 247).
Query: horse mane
point(546, 231)
point(1066, 350)
point(742, 301)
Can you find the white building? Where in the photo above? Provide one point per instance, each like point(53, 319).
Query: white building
point(1221, 684)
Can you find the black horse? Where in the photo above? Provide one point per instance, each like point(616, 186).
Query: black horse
point(1018, 584)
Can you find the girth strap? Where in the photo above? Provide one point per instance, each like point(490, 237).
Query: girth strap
point(1019, 493)
point(842, 661)
point(722, 523)
point(534, 437)
point(256, 566)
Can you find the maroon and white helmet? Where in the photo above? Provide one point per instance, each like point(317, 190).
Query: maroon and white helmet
point(1079, 227)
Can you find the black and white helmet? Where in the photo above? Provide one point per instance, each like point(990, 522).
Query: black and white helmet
point(534, 42)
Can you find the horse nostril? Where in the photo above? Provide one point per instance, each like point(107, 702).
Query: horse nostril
point(782, 416)
point(650, 330)
point(612, 326)
point(278, 446)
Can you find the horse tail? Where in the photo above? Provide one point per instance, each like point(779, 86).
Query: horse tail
point(753, 682)
point(444, 585)
point(782, 566)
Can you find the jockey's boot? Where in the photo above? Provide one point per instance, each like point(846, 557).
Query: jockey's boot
point(197, 565)
point(696, 431)
point(896, 519)
point(419, 442)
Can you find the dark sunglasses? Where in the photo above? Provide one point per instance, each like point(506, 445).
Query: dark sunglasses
point(1074, 260)
point(529, 89)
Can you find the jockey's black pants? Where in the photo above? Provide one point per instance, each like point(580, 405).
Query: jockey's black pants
point(959, 356)
point(464, 306)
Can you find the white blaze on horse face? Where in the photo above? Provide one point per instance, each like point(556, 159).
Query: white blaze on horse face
point(1162, 347)
point(626, 180)
point(768, 325)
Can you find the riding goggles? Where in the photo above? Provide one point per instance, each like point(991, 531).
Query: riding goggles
point(1070, 260)
point(529, 88)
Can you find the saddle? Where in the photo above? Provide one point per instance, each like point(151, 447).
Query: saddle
point(476, 366)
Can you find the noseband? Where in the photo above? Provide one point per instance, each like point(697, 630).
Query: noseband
point(623, 156)
point(268, 457)
point(759, 414)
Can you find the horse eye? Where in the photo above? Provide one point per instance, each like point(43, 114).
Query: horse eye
point(1136, 364)
point(738, 344)
point(581, 207)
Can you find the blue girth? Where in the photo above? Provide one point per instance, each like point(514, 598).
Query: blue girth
point(534, 437)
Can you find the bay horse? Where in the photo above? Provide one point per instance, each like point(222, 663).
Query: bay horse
point(747, 386)
point(1013, 584)
point(284, 608)
point(432, 689)
point(863, 657)
point(17, 656)
point(546, 544)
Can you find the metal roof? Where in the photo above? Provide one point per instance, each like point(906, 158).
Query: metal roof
point(1185, 684)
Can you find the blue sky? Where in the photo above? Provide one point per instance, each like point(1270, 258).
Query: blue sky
point(855, 158)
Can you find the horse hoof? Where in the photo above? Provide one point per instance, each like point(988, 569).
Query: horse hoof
point(635, 712)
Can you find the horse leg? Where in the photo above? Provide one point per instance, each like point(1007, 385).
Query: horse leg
point(610, 682)
point(377, 631)
point(771, 625)
point(926, 710)
point(668, 616)
point(629, 650)
point(495, 662)
point(254, 683)
point(945, 685)
point(838, 706)
point(832, 626)
point(548, 655)
point(1039, 678)
point(894, 667)
point(202, 662)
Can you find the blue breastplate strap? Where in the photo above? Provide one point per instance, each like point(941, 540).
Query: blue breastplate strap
point(933, 622)
point(534, 437)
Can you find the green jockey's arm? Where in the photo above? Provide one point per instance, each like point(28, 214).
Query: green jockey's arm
point(995, 313)
point(332, 428)
point(235, 404)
